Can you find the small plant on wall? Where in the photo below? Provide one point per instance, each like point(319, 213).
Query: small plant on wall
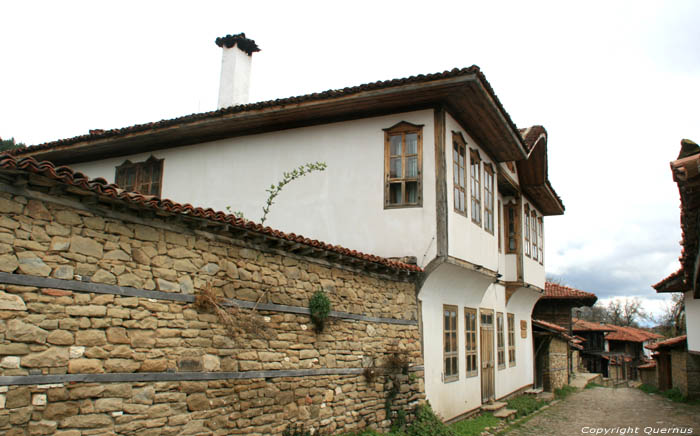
point(320, 308)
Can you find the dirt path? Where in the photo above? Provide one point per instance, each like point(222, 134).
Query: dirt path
point(621, 411)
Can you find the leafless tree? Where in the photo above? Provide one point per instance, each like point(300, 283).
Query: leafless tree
point(672, 320)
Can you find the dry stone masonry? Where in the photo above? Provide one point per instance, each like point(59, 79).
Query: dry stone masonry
point(99, 333)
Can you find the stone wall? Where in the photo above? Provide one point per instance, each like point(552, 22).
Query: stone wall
point(679, 371)
point(556, 371)
point(693, 377)
point(648, 376)
point(136, 355)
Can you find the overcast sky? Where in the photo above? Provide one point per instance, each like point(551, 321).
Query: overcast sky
point(616, 85)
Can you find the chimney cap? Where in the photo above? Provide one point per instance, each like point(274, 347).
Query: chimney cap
point(247, 45)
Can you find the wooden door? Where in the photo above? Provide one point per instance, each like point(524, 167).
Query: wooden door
point(487, 362)
point(663, 362)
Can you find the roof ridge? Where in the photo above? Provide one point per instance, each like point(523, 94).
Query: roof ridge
point(101, 187)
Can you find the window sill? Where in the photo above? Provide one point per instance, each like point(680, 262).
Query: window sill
point(402, 206)
point(450, 379)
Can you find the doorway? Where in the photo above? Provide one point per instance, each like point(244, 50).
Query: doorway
point(487, 362)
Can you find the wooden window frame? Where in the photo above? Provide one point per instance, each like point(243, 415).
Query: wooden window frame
point(402, 129)
point(511, 339)
point(489, 178)
point(500, 341)
point(500, 226)
point(535, 239)
point(527, 230)
point(541, 224)
point(449, 338)
point(512, 228)
point(470, 341)
point(459, 149)
point(142, 170)
point(475, 186)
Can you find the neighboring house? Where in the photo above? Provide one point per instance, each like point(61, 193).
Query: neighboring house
point(621, 347)
point(592, 355)
point(552, 355)
point(554, 308)
point(675, 367)
point(429, 167)
point(557, 302)
point(686, 174)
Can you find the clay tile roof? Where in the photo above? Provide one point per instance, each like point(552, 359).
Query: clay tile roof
point(102, 188)
point(673, 283)
point(630, 334)
point(548, 325)
point(648, 365)
point(531, 135)
point(247, 45)
point(553, 291)
point(668, 343)
point(580, 325)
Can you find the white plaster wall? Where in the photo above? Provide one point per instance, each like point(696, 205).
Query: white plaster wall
point(692, 320)
point(450, 284)
point(466, 240)
point(343, 205)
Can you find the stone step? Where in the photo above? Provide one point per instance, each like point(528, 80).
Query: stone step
point(492, 407)
point(505, 414)
point(546, 396)
point(533, 391)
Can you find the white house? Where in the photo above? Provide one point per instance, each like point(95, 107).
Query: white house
point(429, 167)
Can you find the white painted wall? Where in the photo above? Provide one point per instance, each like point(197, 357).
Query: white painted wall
point(692, 321)
point(343, 205)
point(469, 241)
point(450, 284)
point(234, 82)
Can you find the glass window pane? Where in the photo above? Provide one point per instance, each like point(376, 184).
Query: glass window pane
point(412, 166)
point(455, 173)
point(395, 193)
point(411, 143)
point(395, 170)
point(461, 177)
point(412, 192)
point(395, 145)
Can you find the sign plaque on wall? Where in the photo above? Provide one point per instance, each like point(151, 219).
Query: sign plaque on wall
point(523, 329)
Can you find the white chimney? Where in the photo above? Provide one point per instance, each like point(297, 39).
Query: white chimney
point(236, 63)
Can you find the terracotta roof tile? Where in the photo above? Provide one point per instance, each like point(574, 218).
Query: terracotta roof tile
point(102, 188)
point(555, 292)
point(630, 334)
point(580, 325)
point(668, 343)
point(548, 325)
point(647, 365)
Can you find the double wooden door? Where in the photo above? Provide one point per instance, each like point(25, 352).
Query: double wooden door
point(487, 360)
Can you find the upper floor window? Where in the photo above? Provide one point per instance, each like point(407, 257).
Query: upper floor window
point(527, 230)
point(511, 339)
point(459, 158)
point(512, 228)
point(500, 342)
point(475, 175)
point(403, 145)
point(488, 198)
point(470, 338)
point(535, 241)
point(541, 225)
point(500, 226)
point(143, 177)
point(450, 356)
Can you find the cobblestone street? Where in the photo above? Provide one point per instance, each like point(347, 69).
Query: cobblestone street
point(621, 411)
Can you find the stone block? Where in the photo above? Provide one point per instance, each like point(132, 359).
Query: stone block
point(8, 263)
point(11, 302)
point(24, 332)
point(86, 246)
point(60, 337)
point(90, 337)
point(53, 357)
point(85, 366)
point(121, 365)
point(31, 264)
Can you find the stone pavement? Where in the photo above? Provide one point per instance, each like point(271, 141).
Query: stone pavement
point(620, 411)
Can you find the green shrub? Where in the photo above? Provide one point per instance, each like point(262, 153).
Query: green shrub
point(320, 307)
point(426, 423)
point(675, 395)
point(564, 392)
point(592, 385)
point(649, 389)
point(296, 430)
point(475, 426)
point(525, 404)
